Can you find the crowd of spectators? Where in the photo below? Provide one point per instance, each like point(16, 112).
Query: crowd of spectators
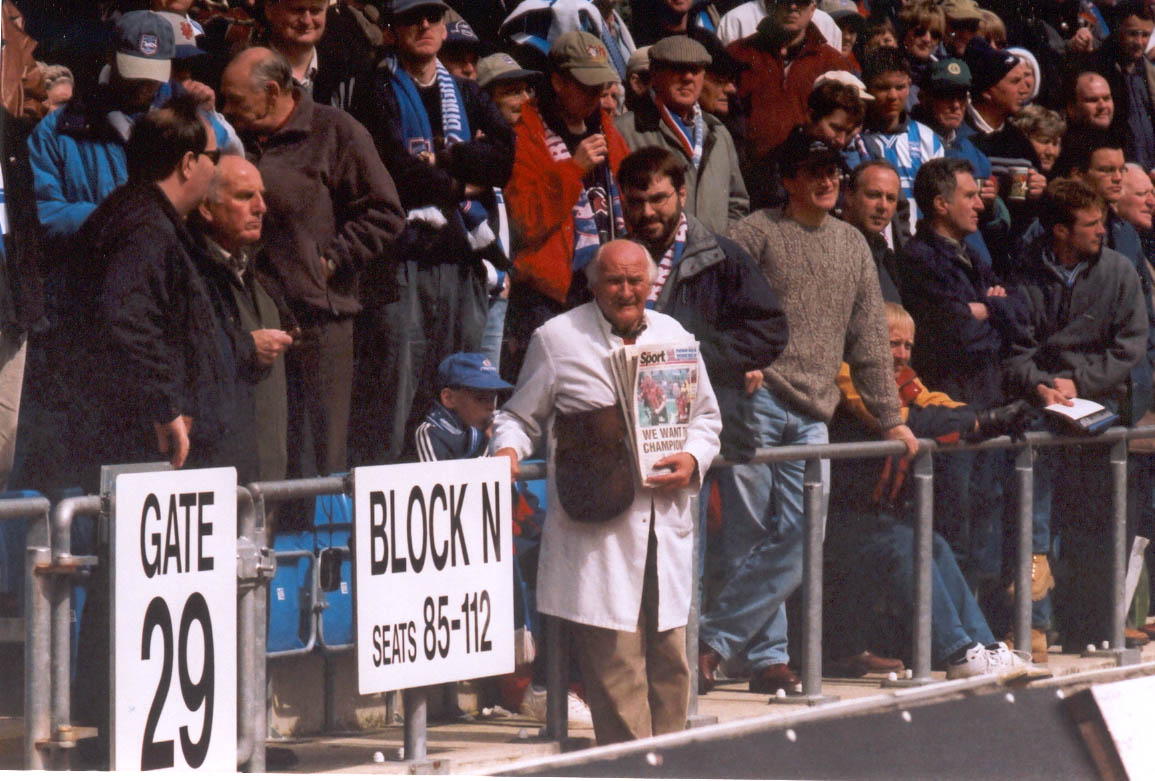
point(249, 232)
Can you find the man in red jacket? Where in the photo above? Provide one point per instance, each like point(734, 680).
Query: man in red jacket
point(563, 197)
point(785, 56)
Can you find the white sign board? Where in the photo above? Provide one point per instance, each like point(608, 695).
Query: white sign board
point(174, 621)
point(434, 573)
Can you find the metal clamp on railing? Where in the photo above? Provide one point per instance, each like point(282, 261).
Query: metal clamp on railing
point(255, 564)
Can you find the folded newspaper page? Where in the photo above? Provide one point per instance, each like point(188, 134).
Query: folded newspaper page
point(657, 386)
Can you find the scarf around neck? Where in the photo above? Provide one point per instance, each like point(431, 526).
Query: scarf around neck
point(417, 134)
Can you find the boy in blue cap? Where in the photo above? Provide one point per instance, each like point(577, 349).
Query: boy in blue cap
point(457, 426)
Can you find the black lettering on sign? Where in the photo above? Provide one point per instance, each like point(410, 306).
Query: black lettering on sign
point(151, 563)
point(378, 555)
point(204, 528)
point(458, 533)
point(172, 536)
point(439, 557)
point(491, 521)
point(155, 755)
point(418, 498)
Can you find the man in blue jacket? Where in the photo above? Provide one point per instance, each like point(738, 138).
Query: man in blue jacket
point(968, 320)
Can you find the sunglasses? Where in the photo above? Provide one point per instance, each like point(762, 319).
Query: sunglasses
point(213, 154)
point(431, 14)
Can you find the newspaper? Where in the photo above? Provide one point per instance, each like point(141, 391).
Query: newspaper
point(657, 387)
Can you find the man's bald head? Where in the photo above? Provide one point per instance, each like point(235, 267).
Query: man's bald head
point(620, 277)
point(1137, 203)
point(234, 209)
point(257, 87)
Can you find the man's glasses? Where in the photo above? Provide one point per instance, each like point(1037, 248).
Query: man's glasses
point(637, 202)
point(213, 154)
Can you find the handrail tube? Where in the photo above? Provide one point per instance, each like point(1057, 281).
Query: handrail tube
point(63, 516)
point(812, 578)
point(557, 678)
point(923, 542)
point(246, 645)
point(303, 488)
point(1118, 541)
point(37, 645)
point(1025, 479)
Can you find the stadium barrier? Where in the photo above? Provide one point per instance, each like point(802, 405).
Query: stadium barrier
point(51, 569)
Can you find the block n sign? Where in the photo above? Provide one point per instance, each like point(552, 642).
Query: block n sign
point(174, 621)
point(433, 573)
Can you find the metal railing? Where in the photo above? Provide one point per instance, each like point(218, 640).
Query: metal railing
point(51, 569)
point(921, 552)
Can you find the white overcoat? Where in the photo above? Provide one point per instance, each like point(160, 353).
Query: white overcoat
point(591, 573)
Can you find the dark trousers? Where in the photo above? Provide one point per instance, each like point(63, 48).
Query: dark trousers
point(319, 375)
point(439, 309)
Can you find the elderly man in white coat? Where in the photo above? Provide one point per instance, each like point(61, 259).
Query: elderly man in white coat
point(624, 583)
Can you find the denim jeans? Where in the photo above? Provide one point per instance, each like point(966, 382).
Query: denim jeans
point(762, 535)
point(956, 620)
point(494, 328)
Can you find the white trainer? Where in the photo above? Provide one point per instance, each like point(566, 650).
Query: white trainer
point(533, 705)
point(1013, 665)
point(978, 661)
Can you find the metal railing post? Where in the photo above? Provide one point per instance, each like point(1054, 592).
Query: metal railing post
point(1118, 541)
point(416, 704)
point(697, 511)
point(261, 632)
point(812, 583)
point(1025, 482)
point(246, 638)
point(62, 561)
point(923, 540)
point(37, 647)
point(557, 678)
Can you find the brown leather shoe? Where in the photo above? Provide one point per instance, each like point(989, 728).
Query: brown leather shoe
point(773, 677)
point(708, 661)
point(1134, 638)
point(861, 664)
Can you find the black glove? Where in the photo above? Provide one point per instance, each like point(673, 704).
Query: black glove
point(1011, 419)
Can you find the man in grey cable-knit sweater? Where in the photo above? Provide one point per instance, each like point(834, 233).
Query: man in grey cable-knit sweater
point(824, 276)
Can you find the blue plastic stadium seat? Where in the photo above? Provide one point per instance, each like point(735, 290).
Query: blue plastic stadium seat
point(333, 519)
point(291, 619)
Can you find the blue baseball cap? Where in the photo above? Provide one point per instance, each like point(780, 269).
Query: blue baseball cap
point(470, 370)
point(144, 46)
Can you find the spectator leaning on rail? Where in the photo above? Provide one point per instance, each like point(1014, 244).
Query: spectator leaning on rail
point(333, 210)
point(824, 277)
point(672, 119)
point(968, 321)
point(1086, 330)
point(447, 146)
point(157, 370)
point(231, 217)
point(624, 583)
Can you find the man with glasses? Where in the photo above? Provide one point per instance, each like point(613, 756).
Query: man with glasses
point(447, 146)
point(672, 119)
point(823, 274)
point(785, 55)
point(563, 196)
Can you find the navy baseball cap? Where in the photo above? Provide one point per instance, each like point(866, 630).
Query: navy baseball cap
point(144, 46)
point(470, 370)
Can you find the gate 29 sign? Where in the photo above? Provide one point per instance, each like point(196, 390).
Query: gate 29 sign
point(434, 573)
point(174, 619)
